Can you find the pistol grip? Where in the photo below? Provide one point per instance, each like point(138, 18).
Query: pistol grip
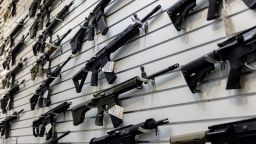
point(79, 80)
point(214, 9)
point(110, 76)
point(91, 33)
point(94, 80)
point(41, 131)
point(35, 131)
point(99, 118)
point(33, 101)
point(234, 75)
point(102, 25)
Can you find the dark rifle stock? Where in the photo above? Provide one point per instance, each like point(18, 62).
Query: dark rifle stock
point(234, 50)
point(109, 98)
point(103, 56)
point(46, 56)
point(96, 19)
point(38, 96)
point(33, 8)
point(127, 134)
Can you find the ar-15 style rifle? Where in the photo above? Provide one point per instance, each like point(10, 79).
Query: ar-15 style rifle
point(50, 117)
point(237, 50)
point(11, 10)
point(240, 132)
point(5, 125)
point(39, 45)
point(250, 3)
point(11, 57)
point(35, 26)
point(9, 79)
point(96, 63)
point(127, 134)
point(44, 58)
point(180, 10)
point(16, 30)
point(107, 99)
point(96, 19)
point(7, 100)
point(45, 86)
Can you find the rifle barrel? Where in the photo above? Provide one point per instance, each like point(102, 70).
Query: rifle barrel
point(151, 13)
point(169, 69)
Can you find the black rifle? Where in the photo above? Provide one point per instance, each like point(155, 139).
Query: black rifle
point(34, 7)
point(5, 125)
point(39, 46)
point(7, 100)
point(96, 63)
point(9, 79)
point(45, 86)
point(179, 11)
point(2, 47)
point(96, 19)
point(55, 140)
point(44, 58)
point(11, 58)
point(250, 3)
point(238, 51)
point(239, 132)
point(16, 30)
point(127, 134)
point(50, 117)
point(106, 99)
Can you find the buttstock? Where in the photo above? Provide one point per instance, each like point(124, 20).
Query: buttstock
point(78, 113)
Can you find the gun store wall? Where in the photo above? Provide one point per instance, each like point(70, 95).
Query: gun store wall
point(74, 71)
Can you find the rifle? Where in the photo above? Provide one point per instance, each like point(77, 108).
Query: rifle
point(96, 19)
point(237, 50)
point(34, 7)
point(16, 30)
point(45, 86)
point(39, 125)
point(108, 99)
point(127, 134)
point(2, 47)
point(6, 123)
point(44, 58)
point(239, 132)
point(250, 3)
point(11, 57)
point(96, 63)
point(9, 79)
point(180, 10)
point(39, 45)
point(7, 100)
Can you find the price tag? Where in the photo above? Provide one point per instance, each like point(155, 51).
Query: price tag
point(116, 111)
point(45, 95)
point(48, 128)
point(108, 67)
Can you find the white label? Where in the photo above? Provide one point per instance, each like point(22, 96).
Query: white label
point(108, 67)
point(45, 95)
point(116, 111)
point(48, 128)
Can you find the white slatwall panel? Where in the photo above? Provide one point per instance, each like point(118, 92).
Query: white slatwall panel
point(160, 47)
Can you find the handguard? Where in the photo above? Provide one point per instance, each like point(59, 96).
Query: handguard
point(250, 3)
point(214, 9)
point(179, 11)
